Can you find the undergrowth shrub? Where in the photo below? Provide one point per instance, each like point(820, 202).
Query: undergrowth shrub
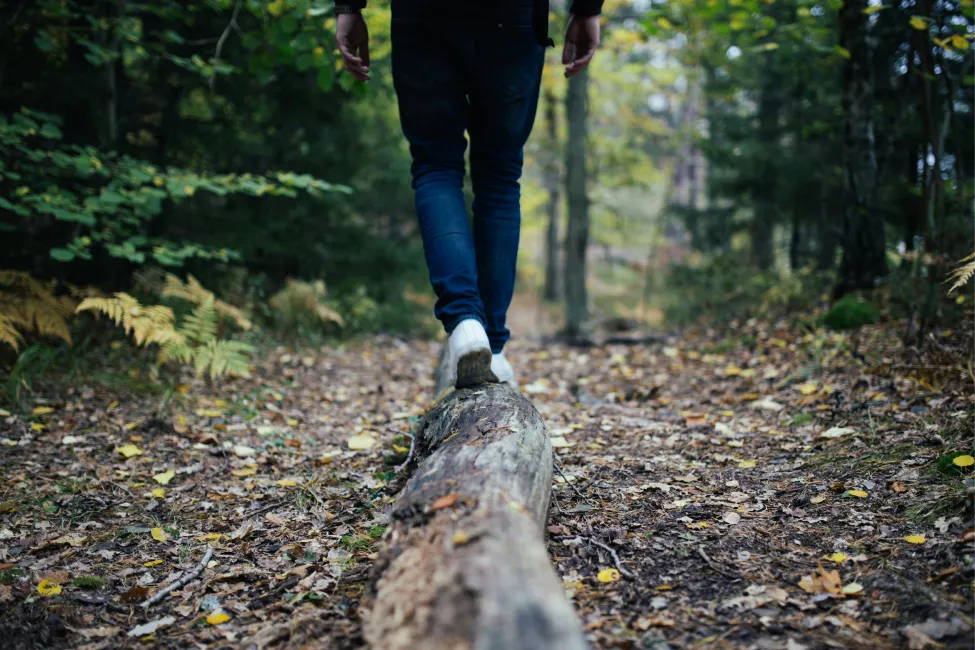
point(304, 306)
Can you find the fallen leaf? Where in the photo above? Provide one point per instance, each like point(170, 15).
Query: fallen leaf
point(839, 558)
point(731, 518)
point(745, 464)
point(608, 575)
point(164, 478)
point(963, 461)
point(150, 627)
point(129, 451)
point(243, 451)
point(152, 563)
point(247, 471)
point(822, 582)
point(48, 588)
point(445, 501)
point(159, 534)
point(897, 486)
point(179, 424)
point(915, 539)
point(819, 499)
point(42, 410)
point(696, 420)
point(860, 494)
point(134, 595)
point(287, 482)
point(210, 413)
point(274, 519)
point(159, 493)
point(852, 588)
point(209, 537)
point(837, 432)
point(808, 388)
point(560, 441)
point(216, 618)
point(460, 538)
point(361, 442)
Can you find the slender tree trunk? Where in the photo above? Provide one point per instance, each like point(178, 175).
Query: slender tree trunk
point(553, 185)
point(763, 221)
point(863, 238)
point(577, 237)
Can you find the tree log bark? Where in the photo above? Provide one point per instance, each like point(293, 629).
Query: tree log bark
point(464, 566)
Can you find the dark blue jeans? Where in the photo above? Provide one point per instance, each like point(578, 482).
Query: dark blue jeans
point(456, 74)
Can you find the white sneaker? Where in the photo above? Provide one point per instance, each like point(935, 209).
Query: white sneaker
point(503, 370)
point(470, 354)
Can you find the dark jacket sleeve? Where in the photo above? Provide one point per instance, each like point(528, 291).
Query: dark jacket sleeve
point(585, 8)
point(346, 6)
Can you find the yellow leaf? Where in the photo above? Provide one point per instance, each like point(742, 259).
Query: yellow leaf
point(292, 422)
point(131, 425)
point(665, 24)
point(210, 413)
point(286, 482)
point(918, 23)
point(839, 558)
point(963, 461)
point(874, 9)
point(808, 388)
point(247, 471)
point(915, 539)
point(129, 451)
point(220, 402)
point(460, 538)
point(48, 588)
point(817, 499)
point(4, 413)
point(43, 410)
point(164, 478)
point(37, 427)
point(189, 189)
point(608, 575)
point(732, 371)
point(698, 524)
point(860, 494)
point(159, 535)
point(157, 181)
point(852, 588)
point(400, 450)
point(152, 563)
point(745, 464)
point(361, 442)
point(209, 537)
point(159, 493)
point(179, 424)
point(216, 618)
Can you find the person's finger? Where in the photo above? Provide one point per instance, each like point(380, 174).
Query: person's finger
point(346, 51)
point(567, 51)
point(364, 54)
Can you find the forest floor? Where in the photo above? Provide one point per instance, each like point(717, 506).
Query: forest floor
point(761, 490)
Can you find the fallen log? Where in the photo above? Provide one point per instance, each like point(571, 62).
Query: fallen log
point(464, 565)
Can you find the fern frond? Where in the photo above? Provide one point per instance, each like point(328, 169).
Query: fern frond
point(200, 325)
point(118, 307)
point(174, 350)
point(962, 274)
point(147, 325)
point(47, 317)
point(24, 281)
point(223, 358)
point(193, 292)
point(9, 333)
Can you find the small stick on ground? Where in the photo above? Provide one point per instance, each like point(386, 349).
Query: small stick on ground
point(566, 479)
point(409, 456)
point(594, 542)
point(724, 572)
point(189, 577)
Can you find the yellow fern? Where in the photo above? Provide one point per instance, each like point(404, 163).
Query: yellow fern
point(963, 273)
point(194, 292)
point(27, 305)
point(304, 303)
point(146, 324)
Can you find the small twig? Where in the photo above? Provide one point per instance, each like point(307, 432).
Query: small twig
point(724, 572)
point(566, 479)
point(263, 509)
point(409, 456)
point(222, 40)
point(123, 488)
point(186, 579)
point(594, 542)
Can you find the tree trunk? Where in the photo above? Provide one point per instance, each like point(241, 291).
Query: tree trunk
point(577, 237)
point(464, 564)
point(863, 261)
point(766, 210)
point(552, 184)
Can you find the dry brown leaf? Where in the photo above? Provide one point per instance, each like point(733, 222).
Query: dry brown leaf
point(445, 501)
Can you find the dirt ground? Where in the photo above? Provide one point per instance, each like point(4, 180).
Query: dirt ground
point(760, 489)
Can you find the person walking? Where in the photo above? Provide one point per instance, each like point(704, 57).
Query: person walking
point(471, 66)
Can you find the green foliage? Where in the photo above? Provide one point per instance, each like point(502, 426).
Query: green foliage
point(946, 466)
point(89, 582)
point(851, 313)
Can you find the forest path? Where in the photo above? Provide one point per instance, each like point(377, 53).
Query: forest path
point(757, 491)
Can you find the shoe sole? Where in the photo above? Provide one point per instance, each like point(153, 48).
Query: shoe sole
point(474, 368)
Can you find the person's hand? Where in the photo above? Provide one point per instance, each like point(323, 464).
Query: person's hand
point(353, 39)
point(581, 40)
